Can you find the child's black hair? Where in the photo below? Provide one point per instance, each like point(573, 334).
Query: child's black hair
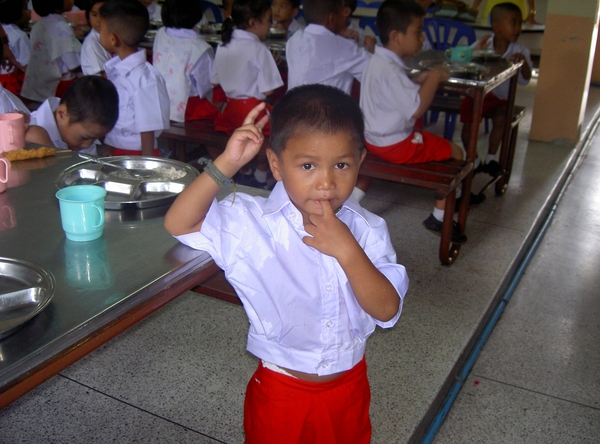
point(295, 3)
point(126, 18)
point(92, 99)
point(11, 11)
point(88, 7)
point(396, 15)
point(44, 8)
point(352, 4)
point(319, 108)
point(241, 13)
point(316, 11)
point(498, 11)
point(181, 13)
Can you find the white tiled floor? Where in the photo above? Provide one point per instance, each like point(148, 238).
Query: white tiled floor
point(180, 375)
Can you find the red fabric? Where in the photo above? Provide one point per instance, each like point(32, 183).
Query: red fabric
point(491, 103)
point(63, 86)
point(13, 81)
point(199, 109)
point(280, 409)
point(122, 152)
point(235, 113)
point(413, 149)
point(219, 95)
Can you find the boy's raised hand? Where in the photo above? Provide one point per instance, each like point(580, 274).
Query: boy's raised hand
point(483, 43)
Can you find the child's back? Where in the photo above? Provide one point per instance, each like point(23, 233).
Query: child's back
point(317, 54)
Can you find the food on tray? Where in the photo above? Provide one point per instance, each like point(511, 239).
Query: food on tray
point(34, 153)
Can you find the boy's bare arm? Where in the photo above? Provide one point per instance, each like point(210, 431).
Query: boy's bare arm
point(374, 292)
point(189, 209)
point(147, 138)
point(37, 134)
point(429, 86)
point(525, 68)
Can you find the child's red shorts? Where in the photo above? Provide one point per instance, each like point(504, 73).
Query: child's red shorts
point(198, 109)
point(13, 81)
point(123, 152)
point(491, 104)
point(419, 147)
point(235, 112)
point(280, 409)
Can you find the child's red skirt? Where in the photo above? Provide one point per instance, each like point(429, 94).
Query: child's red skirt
point(13, 81)
point(235, 113)
point(199, 109)
point(419, 147)
point(281, 409)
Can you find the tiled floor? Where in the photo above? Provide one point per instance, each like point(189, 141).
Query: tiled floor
point(180, 375)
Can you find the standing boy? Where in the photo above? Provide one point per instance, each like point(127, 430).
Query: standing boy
point(506, 19)
point(391, 102)
point(318, 54)
point(143, 98)
point(315, 271)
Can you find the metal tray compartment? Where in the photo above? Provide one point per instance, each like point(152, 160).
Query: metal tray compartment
point(165, 180)
point(25, 290)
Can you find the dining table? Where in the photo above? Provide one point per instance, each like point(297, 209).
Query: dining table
point(100, 288)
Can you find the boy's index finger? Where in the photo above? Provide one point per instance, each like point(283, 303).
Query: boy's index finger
point(253, 114)
point(327, 208)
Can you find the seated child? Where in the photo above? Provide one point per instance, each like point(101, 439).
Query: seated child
point(315, 271)
point(11, 12)
point(154, 10)
point(391, 102)
point(185, 61)
point(143, 98)
point(506, 23)
point(93, 55)
point(355, 32)
point(10, 103)
point(85, 113)
point(284, 12)
point(318, 54)
point(54, 61)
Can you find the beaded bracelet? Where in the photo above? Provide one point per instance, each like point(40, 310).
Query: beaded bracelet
point(214, 173)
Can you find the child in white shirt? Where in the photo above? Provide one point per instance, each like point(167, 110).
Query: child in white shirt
point(11, 12)
point(284, 13)
point(93, 55)
point(318, 54)
point(154, 10)
point(55, 59)
point(143, 98)
point(185, 61)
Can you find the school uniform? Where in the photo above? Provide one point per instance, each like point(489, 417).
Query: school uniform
point(389, 99)
point(245, 70)
point(9, 102)
point(44, 117)
point(55, 52)
point(295, 25)
point(93, 54)
point(185, 61)
point(154, 12)
point(143, 101)
point(317, 55)
point(20, 45)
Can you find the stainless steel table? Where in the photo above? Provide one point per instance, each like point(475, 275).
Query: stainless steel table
point(102, 287)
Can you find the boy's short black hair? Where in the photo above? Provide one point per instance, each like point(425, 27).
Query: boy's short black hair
point(316, 107)
point(126, 18)
point(11, 11)
point(47, 7)
point(181, 13)
point(316, 11)
point(498, 11)
point(396, 15)
point(352, 4)
point(92, 99)
point(295, 4)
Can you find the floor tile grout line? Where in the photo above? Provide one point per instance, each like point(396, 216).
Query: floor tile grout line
point(535, 391)
point(140, 409)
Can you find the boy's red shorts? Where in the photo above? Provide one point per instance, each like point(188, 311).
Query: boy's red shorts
point(123, 152)
point(491, 104)
point(419, 147)
point(198, 109)
point(13, 81)
point(280, 409)
point(235, 112)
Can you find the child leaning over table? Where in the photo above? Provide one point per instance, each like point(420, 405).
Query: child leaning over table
point(143, 98)
point(391, 102)
point(315, 271)
point(506, 20)
point(83, 115)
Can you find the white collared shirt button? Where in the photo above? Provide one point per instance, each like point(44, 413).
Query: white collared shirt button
point(329, 324)
point(329, 287)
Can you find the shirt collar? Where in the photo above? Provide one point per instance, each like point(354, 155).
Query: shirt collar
point(123, 67)
point(279, 199)
point(318, 29)
point(181, 33)
point(241, 34)
point(389, 55)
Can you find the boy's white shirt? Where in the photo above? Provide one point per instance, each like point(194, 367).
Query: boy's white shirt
point(388, 99)
point(185, 61)
point(19, 44)
point(93, 54)
point(316, 55)
point(245, 67)
point(143, 101)
point(154, 12)
point(302, 311)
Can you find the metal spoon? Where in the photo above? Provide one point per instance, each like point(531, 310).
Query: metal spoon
point(138, 173)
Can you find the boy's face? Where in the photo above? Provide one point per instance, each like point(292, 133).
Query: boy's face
point(106, 37)
point(78, 135)
point(261, 27)
point(315, 167)
point(410, 44)
point(283, 11)
point(95, 16)
point(508, 27)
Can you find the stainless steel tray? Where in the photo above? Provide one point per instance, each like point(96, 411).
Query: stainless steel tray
point(25, 290)
point(169, 178)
